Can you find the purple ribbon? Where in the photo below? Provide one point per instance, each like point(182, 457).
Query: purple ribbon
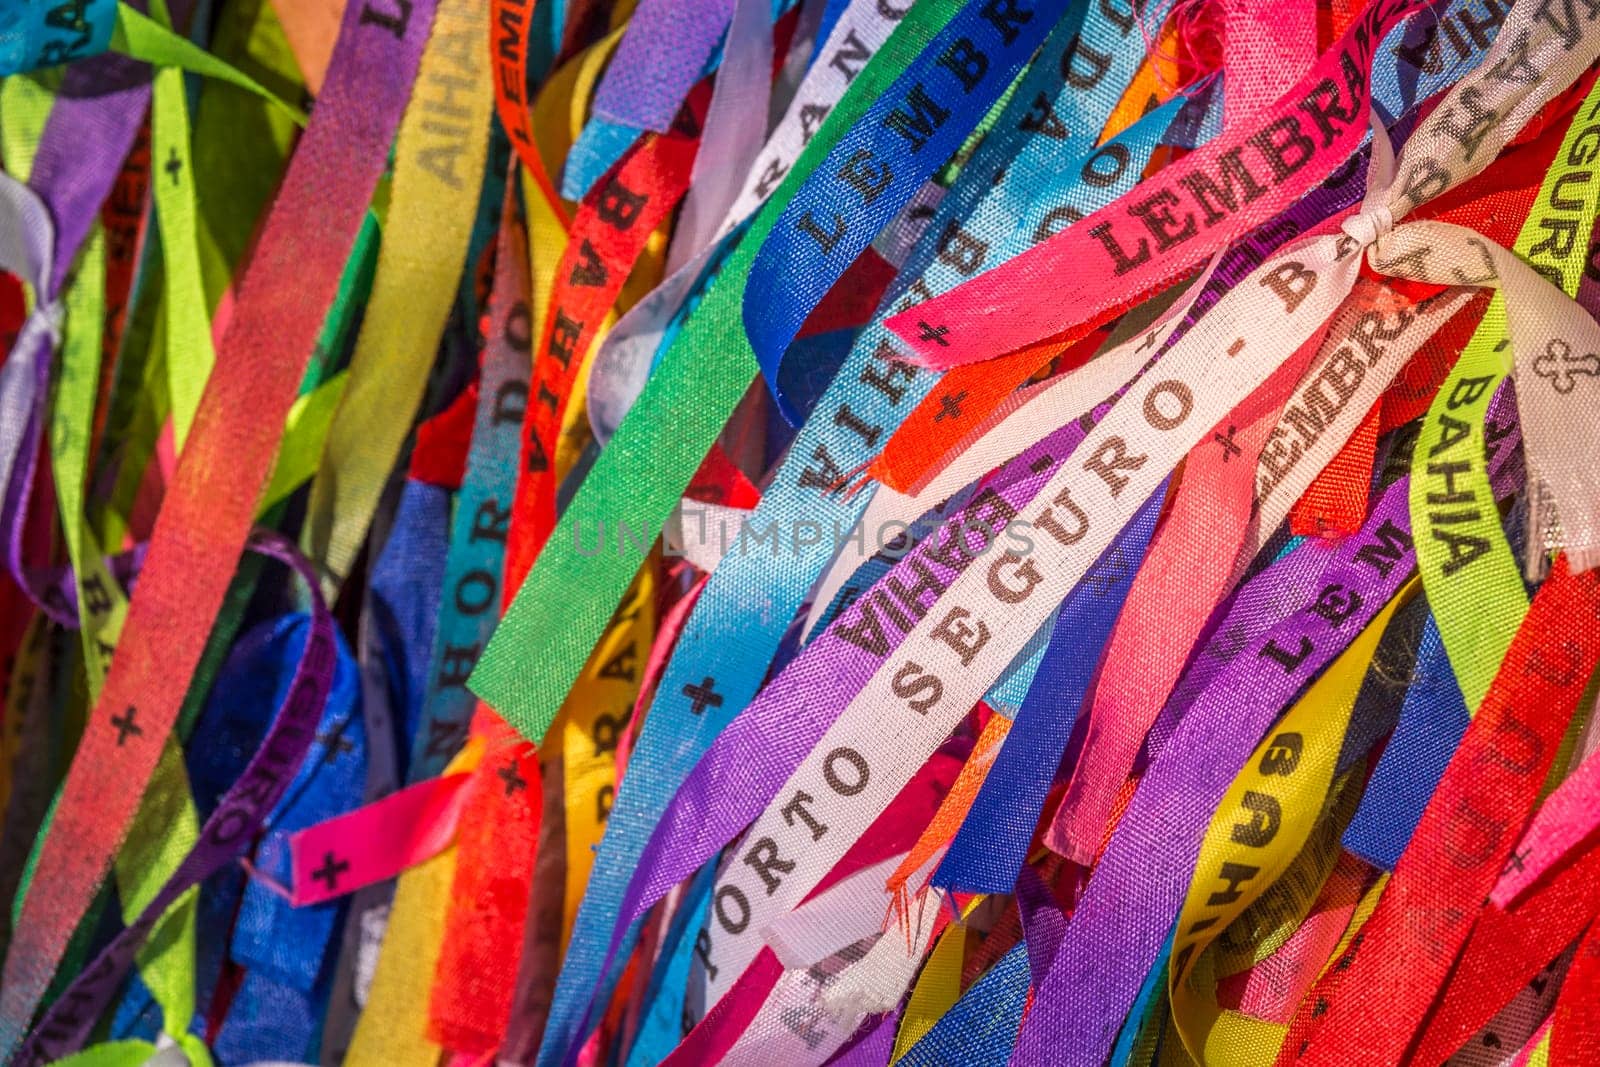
point(1324, 596)
point(27, 245)
point(750, 760)
point(66, 1026)
point(91, 129)
point(744, 768)
point(661, 56)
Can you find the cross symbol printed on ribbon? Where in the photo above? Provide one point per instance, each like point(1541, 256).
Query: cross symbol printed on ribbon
point(334, 742)
point(950, 406)
point(1229, 447)
point(332, 867)
point(514, 781)
point(703, 696)
point(125, 726)
point(1558, 363)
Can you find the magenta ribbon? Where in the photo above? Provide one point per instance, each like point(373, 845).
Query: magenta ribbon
point(748, 763)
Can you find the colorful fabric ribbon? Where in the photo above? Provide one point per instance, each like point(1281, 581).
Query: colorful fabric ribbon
point(804, 532)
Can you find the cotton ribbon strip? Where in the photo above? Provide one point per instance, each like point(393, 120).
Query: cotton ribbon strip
point(956, 647)
point(200, 533)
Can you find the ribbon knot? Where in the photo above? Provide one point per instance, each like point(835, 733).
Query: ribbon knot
point(52, 315)
point(1370, 225)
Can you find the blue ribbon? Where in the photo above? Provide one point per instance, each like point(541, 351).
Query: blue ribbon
point(1432, 720)
point(1010, 690)
point(285, 951)
point(831, 11)
point(248, 688)
point(1146, 1004)
point(476, 550)
point(48, 33)
point(981, 1028)
point(596, 151)
point(991, 846)
point(733, 632)
point(663, 1025)
point(601, 142)
point(403, 598)
point(879, 164)
point(397, 626)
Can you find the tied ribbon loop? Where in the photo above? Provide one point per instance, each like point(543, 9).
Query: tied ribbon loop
point(49, 316)
point(1205, 375)
point(1554, 343)
point(1555, 349)
point(1370, 226)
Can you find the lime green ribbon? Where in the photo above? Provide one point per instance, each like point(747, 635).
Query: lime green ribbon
point(1471, 578)
point(189, 351)
point(168, 826)
point(141, 37)
point(167, 962)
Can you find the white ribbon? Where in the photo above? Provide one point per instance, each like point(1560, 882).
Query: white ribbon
point(27, 242)
point(847, 913)
point(1555, 349)
point(622, 363)
point(1556, 345)
point(829, 943)
point(969, 636)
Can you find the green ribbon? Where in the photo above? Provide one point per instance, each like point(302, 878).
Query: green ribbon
point(142, 37)
point(531, 662)
point(167, 825)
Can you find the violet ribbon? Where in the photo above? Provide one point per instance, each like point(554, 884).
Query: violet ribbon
point(1135, 893)
point(66, 1025)
point(92, 126)
point(661, 55)
point(749, 762)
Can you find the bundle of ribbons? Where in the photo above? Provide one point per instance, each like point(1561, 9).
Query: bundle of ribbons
point(798, 532)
